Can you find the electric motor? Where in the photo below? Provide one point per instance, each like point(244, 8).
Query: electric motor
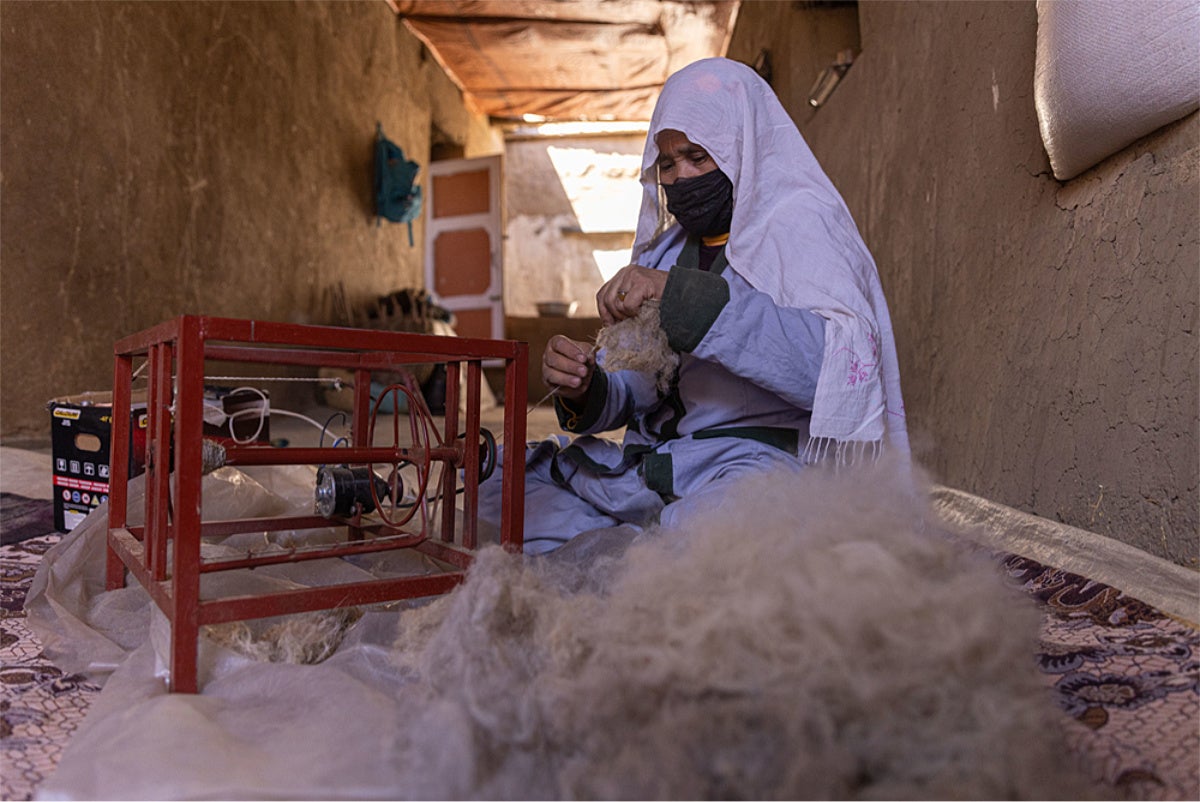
point(341, 488)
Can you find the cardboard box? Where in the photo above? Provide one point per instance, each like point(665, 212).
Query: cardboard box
point(80, 438)
point(81, 434)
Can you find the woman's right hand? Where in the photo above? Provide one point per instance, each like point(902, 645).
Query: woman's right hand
point(568, 365)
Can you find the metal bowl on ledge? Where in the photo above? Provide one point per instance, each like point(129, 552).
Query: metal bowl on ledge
point(556, 308)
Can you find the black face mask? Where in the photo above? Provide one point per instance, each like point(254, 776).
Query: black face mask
point(703, 205)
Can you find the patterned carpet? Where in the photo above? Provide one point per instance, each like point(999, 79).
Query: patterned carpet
point(40, 707)
point(1127, 674)
point(24, 518)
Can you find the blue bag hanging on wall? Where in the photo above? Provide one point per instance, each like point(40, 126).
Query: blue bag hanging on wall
point(396, 197)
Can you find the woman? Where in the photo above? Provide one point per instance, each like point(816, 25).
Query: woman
point(769, 295)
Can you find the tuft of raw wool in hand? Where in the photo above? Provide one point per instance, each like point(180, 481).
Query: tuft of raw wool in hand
point(639, 343)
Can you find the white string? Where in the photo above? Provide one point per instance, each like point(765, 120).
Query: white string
point(555, 388)
point(261, 412)
point(264, 410)
point(336, 382)
point(274, 411)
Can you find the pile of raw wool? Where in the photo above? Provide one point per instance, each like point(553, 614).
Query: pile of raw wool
point(304, 638)
point(803, 639)
point(639, 343)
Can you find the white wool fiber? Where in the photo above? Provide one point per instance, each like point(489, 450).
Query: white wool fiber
point(812, 638)
point(304, 638)
point(639, 343)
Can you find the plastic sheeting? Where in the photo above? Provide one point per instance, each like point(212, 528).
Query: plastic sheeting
point(811, 637)
point(1111, 71)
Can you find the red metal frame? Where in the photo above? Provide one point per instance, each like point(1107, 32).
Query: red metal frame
point(175, 353)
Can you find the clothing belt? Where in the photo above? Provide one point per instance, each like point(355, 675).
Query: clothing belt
point(657, 470)
point(781, 437)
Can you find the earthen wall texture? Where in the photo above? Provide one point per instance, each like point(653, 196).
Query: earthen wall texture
point(1046, 330)
point(195, 158)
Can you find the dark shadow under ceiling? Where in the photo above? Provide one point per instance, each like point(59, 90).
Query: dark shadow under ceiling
point(565, 60)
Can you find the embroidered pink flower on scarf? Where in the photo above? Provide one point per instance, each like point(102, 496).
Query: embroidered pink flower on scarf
point(858, 372)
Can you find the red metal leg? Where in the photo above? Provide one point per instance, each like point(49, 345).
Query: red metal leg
point(448, 486)
point(512, 522)
point(189, 425)
point(158, 463)
point(470, 524)
point(118, 466)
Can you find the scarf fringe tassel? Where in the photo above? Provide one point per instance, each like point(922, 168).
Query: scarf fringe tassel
point(845, 453)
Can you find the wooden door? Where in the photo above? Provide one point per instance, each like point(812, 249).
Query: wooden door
point(462, 243)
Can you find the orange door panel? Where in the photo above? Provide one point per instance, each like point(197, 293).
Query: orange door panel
point(462, 243)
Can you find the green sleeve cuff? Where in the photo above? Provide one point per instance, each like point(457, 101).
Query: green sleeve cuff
point(581, 418)
point(692, 300)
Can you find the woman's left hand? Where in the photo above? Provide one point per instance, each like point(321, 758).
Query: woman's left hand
point(622, 295)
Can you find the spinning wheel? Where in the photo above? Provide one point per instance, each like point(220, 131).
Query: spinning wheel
point(163, 555)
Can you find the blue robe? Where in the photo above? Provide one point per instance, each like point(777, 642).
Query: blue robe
point(740, 403)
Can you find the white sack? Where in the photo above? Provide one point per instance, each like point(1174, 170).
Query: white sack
point(1111, 71)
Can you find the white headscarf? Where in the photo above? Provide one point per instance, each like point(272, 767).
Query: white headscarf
point(792, 237)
